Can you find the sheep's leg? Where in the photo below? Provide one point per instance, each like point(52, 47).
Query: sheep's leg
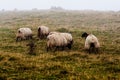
point(56, 48)
point(89, 51)
point(47, 49)
point(46, 35)
point(38, 35)
point(42, 36)
point(69, 46)
point(26, 37)
point(63, 47)
point(87, 47)
point(92, 49)
point(97, 50)
point(31, 37)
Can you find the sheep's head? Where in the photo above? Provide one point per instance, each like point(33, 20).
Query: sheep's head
point(39, 32)
point(39, 29)
point(19, 35)
point(84, 35)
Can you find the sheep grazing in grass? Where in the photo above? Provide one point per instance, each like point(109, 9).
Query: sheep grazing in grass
point(24, 33)
point(65, 40)
point(67, 36)
point(56, 41)
point(91, 42)
point(43, 32)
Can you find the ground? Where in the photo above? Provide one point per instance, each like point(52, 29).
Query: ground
point(76, 64)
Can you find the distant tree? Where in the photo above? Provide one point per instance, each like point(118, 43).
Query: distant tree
point(56, 8)
point(34, 9)
point(15, 9)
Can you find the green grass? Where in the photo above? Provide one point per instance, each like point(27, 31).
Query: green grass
point(75, 64)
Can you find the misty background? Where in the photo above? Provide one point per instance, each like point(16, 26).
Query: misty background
point(102, 5)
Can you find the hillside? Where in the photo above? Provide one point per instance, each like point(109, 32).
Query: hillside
point(74, 64)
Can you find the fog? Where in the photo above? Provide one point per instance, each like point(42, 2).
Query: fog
point(103, 5)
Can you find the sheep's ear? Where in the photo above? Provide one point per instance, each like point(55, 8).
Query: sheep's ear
point(19, 32)
point(83, 35)
point(39, 29)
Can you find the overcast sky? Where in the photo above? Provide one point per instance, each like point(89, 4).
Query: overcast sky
point(67, 4)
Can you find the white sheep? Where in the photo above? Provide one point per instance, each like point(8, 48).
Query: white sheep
point(67, 36)
point(24, 33)
point(91, 42)
point(56, 40)
point(43, 31)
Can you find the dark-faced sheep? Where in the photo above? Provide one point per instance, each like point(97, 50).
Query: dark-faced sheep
point(24, 33)
point(66, 36)
point(91, 42)
point(43, 31)
point(56, 41)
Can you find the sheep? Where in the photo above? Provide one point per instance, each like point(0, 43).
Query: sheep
point(56, 40)
point(23, 33)
point(43, 31)
point(91, 42)
point(67, 36)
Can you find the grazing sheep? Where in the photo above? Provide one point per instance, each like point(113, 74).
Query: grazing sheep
point(24, 33)
point(43, 31)
point(56, 40)
point(67, 36)
point(91, 42)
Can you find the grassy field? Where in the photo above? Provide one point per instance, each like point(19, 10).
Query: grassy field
point(74, 64)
